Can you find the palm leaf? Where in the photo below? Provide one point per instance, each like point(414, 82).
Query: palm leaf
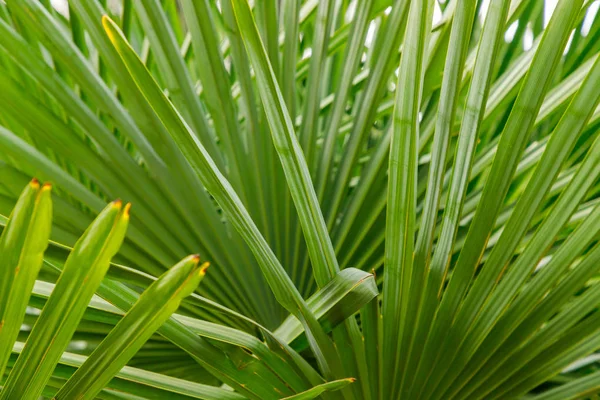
point(403, 195)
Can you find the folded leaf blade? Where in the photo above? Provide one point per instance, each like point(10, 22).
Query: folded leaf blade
point(152, 309)
point(22, 247)
point(55, 326)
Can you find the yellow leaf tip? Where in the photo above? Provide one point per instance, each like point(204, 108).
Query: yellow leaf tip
point(117, 203)
point(35, 183)
point(351, 380)
point(46, 187)
point(204, 267)
point(126, 210)
point(107, 25)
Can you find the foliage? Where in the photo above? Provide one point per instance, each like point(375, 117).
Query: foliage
point(399, 199)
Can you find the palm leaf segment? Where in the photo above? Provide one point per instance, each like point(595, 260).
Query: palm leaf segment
point(303, 148)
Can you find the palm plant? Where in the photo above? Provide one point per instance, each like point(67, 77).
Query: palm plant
point(399, 199)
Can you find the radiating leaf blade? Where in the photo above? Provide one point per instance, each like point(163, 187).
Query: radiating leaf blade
point(82, 274)
point(152, 309)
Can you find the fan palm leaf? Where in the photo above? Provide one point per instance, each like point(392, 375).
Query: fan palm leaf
point(399, 199)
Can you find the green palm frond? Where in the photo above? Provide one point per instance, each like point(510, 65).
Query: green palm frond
point(399, 199)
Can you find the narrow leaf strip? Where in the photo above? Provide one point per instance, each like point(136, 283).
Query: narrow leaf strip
point(83, 272)
point(22, 247)
point(216, 184)
point(476, 99)
point(402, 185)
point(450, 90)
point(320, 389)
point(297, 174)
point(576, 389)
point(151, 379)
point(561, 142)
point(153, 308)
point(510, 148)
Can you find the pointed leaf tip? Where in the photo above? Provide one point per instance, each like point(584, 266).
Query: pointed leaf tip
point(106, 21)
point(204, 267)
point(110, 27)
